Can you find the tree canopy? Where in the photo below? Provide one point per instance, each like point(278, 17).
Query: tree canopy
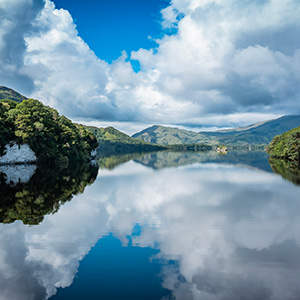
point(53, 138)
point(286, 146)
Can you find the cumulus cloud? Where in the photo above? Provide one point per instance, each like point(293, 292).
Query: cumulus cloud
point(229, 57)
point(221, 60)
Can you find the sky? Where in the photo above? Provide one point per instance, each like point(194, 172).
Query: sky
point(109, 31)
point(185, 63)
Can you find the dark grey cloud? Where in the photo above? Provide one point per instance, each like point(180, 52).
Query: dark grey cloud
point(16, 22)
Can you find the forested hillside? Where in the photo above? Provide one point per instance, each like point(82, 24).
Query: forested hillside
point(286, 146)
point(53, 138)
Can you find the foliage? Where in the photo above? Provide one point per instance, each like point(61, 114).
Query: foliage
point(286, 146)
point(46, 191)
point(54, 138)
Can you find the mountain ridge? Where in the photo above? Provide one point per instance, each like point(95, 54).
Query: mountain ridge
point(260, 133)
point(10, 94)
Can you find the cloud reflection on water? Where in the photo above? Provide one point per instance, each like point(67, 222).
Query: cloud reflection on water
point(234, 232)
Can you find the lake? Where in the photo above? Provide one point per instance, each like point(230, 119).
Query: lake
point(155, 226)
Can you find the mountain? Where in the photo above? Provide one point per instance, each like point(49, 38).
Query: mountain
point(7, 93)
point(114, 142)
point(260, 133)
point(162, 135)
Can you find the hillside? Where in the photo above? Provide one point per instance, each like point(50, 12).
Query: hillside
point(286, 146)
point(7, 93)
point(260, 133)
point(53, 138)
point(112, 141)
point(162, 135)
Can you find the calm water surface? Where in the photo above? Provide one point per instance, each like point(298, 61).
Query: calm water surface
point(163, 226)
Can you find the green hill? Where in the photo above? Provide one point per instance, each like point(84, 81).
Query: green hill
point(260, 133)
point(53, 138)
point(286, 146)
point(114, 142)
point(169, 136)
point(7, 93)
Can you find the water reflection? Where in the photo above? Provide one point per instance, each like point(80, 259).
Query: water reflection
point(169, 159)
point(223, 231)
point(28, 193)
point(286, 169)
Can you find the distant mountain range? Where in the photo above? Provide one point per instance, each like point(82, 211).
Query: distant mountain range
point(260, 133)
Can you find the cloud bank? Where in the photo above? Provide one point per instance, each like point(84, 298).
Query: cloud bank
point(226, 63)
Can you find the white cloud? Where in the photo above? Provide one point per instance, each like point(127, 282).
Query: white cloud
point(229, 57)
point(226, 59)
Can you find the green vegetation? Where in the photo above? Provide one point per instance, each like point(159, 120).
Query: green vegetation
point(46, 191)
point(171, 136)
point(54, 138)
point(286, 146)
point(256, 134)
point(113, 142)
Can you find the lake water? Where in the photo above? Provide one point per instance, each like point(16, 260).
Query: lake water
point(160, 226)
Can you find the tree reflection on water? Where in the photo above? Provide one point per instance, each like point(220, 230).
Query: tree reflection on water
point(43, 193)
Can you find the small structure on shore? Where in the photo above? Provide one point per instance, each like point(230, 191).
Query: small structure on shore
point(222, 149)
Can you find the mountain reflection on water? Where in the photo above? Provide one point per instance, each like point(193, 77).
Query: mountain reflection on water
point(169, 159)
point(216, 230)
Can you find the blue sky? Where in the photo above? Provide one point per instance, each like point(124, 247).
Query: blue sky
point(112, 26)
point(213, 63)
